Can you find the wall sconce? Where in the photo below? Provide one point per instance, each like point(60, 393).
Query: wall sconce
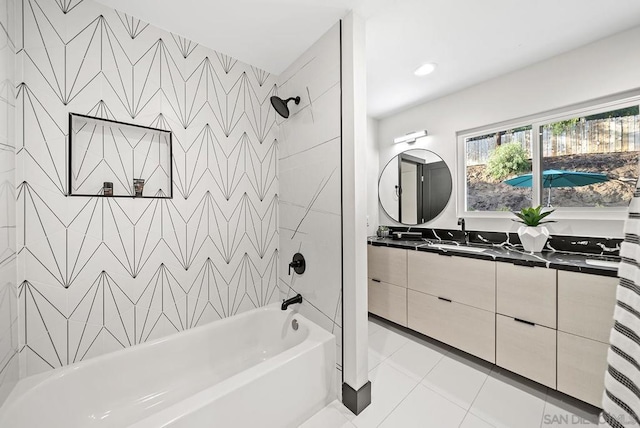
point(410, 137)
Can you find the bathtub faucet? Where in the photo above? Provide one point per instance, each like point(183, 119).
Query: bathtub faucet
point(291, 301)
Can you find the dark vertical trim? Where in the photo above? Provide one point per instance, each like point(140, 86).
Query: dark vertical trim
point(341, 210)
point(171, 165)
point(356, 401)
point(399, 188)
point(420, 205)
point(70, 171)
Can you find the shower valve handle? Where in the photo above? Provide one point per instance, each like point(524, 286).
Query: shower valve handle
point(298, 264)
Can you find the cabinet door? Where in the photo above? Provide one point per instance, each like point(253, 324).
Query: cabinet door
point(463, 280)
point(464, 327)
point(585, 304)
point(388, 301)
point(529, 350)
point(387, 265)
point(527, 293)
point(582, 364)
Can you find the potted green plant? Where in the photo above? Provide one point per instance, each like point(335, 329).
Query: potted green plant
point(532, 234)
point(383, 231)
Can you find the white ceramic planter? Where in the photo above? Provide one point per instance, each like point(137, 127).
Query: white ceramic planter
point(533, 238)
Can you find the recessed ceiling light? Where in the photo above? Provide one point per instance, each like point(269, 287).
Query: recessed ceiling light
point(425, 69)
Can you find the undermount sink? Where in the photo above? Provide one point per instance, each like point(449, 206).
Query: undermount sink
point(459, 248)
point(602, 263)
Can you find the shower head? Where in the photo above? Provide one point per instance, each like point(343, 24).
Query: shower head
point(281, 105)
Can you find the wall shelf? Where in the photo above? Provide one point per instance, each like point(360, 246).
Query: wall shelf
point(103, 150)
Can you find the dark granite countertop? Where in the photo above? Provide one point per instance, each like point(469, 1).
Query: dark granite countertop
point(509, 253)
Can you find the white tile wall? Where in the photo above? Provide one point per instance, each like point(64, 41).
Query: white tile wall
point(96, 275)
point(8, 298)
point(310, 188)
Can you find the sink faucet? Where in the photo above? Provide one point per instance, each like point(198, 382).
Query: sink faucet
point(461, 223)
point(295, 299)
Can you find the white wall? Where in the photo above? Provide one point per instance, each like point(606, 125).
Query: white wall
point(599, 69)
point(372, 175)
point(9, 370)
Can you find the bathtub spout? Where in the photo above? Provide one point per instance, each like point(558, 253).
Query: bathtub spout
point(291, 301)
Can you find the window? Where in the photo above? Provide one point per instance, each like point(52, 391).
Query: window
point(585, 159)
point(596, 157)
point(493, 158)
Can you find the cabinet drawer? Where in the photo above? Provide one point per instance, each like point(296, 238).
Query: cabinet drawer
point(585, 304)
point(582, 364)
point(527, 293)
point(461, 326)
point(463, 280)
point(529, 350)
point(388, 301)
point(387, 265)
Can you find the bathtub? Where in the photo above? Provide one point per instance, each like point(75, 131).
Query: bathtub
point(249, 370)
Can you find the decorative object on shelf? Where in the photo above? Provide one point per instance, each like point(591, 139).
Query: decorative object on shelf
point(383, 231)
point(107, 188)
point(532, 235)
point(138, 186)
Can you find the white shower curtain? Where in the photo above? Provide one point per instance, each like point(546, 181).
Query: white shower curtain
point(621, 399)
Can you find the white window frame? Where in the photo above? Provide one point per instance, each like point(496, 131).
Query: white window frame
point(601, 105)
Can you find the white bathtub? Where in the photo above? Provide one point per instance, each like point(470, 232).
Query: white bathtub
point(249, 370)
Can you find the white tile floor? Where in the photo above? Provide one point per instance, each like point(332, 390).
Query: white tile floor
point(421, 383)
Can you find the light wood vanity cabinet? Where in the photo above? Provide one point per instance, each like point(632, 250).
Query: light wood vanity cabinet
point(388, 301)
point(526, 321)
point(387, 271)
point(464, 280)
point(585, 317)
point(452, 299)
point(582, 364)
point(527, 349)
point(527, 293)
point(549, 326)
point(388, 265)
point(461, 326)
point(585, 304)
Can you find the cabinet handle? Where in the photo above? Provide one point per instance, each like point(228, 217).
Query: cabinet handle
point(446, 300)
point(525, 322)
point(524, 263)
point(375, 280)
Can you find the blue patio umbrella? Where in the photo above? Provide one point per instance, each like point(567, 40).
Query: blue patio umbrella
point(558, 178)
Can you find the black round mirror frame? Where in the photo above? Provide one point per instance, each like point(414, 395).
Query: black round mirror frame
point(428, 204)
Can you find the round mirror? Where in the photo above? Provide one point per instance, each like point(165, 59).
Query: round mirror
point(415, 187)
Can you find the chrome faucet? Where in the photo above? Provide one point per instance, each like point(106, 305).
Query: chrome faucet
point(461, 223)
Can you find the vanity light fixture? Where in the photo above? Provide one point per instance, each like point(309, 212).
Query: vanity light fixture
point(425, 69)
point(410, 137)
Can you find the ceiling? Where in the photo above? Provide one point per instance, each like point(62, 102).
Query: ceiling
point(470, 40)
point(268, 34)
point(473, 41)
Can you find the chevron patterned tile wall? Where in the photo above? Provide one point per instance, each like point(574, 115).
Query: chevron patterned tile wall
point(99, 274)
point(310, 184)
point(9, 371)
